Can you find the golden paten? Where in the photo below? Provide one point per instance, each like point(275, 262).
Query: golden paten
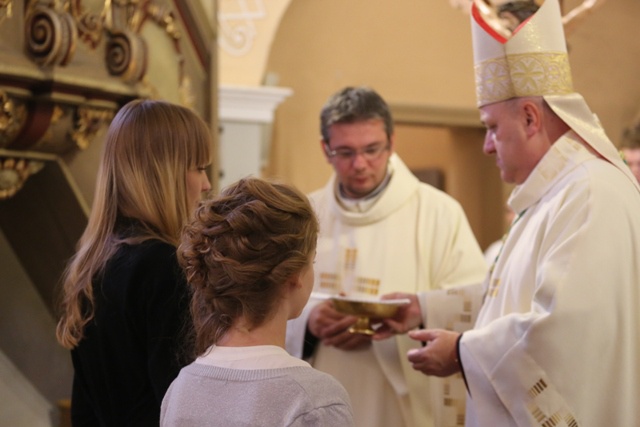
point(367, 310)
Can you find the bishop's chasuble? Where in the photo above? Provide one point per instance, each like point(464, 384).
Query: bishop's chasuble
point(557, 341)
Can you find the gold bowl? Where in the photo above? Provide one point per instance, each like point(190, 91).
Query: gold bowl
point(365, 310)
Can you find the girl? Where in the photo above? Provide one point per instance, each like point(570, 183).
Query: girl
point(248, 257)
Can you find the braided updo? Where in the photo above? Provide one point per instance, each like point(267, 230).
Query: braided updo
point(240, 249)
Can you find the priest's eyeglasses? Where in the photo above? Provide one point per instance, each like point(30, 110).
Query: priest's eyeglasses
point(369, 153)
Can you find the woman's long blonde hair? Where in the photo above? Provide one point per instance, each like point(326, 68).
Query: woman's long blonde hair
point(149, 147)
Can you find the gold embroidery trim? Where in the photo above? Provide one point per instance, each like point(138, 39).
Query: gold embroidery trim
point(330, 281)
point(493, 288)
point(526, 74)
point(553, 420)
point(456, 404)
point(367, 286)
point(537, 388)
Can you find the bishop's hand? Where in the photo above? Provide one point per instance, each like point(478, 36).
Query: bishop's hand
point(439, 357)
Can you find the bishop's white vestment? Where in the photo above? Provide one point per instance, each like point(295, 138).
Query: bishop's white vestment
point(557, 341)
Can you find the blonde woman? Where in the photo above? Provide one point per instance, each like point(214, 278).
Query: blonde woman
point(124, 304)
point(248, 257)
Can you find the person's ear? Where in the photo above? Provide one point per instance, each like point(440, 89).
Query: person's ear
point(392, 143)
point(294, 281)
point(324, 146)
point(532, 116)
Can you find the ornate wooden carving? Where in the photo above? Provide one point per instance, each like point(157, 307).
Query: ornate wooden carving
point(88, 122)
point(80, 60)
point(50, 35)
point(14, 171)
point(126, 55)
point(89, 23)
point(13, 115)
point(6, 9)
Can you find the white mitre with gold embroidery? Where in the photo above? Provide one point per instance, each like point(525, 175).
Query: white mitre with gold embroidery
point(532, 60)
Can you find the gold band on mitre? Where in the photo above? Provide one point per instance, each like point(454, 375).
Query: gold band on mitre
point(528, 60)
point(523, 74)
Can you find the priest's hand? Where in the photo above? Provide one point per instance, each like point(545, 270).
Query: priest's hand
point(408, 317)
point(439, 357)
point(332, 328)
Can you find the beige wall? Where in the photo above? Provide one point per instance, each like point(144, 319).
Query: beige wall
point(470, 177)
point(605, 58)
point(246, 31)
